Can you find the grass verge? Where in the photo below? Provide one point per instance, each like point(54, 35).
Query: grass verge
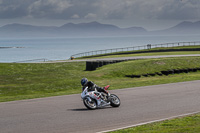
point(24, 81)
point(189, 124)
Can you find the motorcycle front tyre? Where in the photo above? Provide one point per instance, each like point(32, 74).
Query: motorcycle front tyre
point(90, 105)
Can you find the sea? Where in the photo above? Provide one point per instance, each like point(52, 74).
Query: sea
point(28, 49)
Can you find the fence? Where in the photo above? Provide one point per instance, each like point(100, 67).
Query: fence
point(34, 60)
point(148, 46)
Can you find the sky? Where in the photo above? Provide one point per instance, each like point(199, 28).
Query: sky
point(149, 14)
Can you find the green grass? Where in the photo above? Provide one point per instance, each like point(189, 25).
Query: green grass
point(27, 81)
point(189, 124)
point(24, 81)
point(151, 66)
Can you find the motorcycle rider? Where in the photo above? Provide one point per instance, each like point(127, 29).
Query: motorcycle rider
point(91, 86)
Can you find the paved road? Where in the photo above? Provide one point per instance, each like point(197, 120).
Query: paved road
point(139, 57)
point(63, 114)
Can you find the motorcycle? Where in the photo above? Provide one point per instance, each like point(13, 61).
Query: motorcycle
point(94, 99)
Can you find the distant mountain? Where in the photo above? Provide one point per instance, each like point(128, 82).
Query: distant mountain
point(22, 30)
point(185, 27)
point(68, 30)
point(23, 27)
point(92, 29)
point(89, 26)
point(98, 29)
point(89, 29)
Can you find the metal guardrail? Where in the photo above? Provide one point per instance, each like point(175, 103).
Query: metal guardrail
point(148, 46)
point(34, 60)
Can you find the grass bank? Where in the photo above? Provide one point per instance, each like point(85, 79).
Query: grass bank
point(189, 124)
point(24, 81)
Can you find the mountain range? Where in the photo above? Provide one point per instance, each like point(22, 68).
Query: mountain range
point(92, 29)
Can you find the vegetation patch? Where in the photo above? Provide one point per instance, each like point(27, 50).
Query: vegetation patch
point(24, 81)
point(189, 124)
point(150, 66)
point(167, 72)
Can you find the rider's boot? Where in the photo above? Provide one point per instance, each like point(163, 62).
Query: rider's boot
point(105, 90)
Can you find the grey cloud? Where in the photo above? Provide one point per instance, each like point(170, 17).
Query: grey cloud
point(13, 9)
point(186, 9)
point(48, 8)
point(90, 16)
point(153, 9)
point(75, 16)
point(101, 9)
point(34, 8)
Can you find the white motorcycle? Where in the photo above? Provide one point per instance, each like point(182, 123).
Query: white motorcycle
point(94, 99)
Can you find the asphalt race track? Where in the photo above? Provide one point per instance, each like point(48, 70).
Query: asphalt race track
point(130, 57)
point(64, 114)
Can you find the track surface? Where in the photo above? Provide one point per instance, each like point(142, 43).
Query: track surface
point(64, 114)
point(138, 57)
point(123, 58)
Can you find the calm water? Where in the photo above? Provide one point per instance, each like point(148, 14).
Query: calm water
point(63, 48)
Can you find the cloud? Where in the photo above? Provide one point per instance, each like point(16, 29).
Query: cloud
point(101, 9)
point(181, 10)
point(75, 16)
point(90, 16)
point(151, 9)
point(46, 8)
point(12, 9)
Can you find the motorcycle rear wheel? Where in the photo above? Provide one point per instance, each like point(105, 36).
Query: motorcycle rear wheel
point(90, 105)
point(114, 100)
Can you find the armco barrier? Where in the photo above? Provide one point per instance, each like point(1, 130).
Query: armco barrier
point(127, 49)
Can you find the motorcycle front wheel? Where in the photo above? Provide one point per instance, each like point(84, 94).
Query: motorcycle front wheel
point(114, 100)
point(90, 104)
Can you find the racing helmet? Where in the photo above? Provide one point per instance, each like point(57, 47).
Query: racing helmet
point(84, 81)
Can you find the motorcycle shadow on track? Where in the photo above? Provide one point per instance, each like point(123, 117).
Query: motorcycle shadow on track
point(81, 109)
